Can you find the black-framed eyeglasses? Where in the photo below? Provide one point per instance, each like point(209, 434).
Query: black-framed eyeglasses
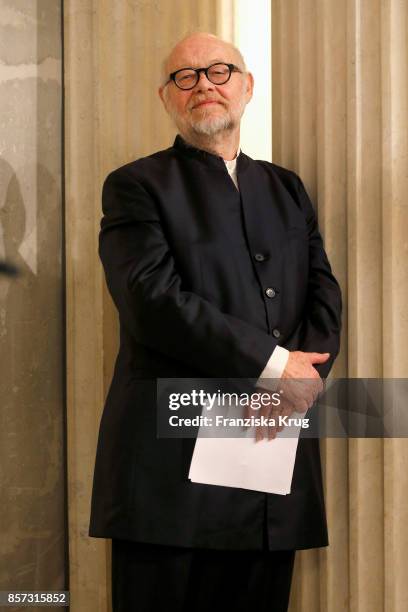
point(218, 74)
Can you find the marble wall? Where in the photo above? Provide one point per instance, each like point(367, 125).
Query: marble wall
point(32, 525)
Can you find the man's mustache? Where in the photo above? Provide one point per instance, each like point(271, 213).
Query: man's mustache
point(197, 102)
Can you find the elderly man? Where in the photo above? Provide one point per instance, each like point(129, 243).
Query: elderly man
point(217, 269)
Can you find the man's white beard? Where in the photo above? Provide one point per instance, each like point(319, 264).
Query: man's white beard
point(208, 126)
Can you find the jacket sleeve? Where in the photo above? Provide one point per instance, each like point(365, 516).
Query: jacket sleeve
point(320, 327)
point(148, 292)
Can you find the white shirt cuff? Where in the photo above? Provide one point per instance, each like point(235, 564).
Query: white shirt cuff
point(274, 368)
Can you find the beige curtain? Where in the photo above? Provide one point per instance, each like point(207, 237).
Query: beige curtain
point(340, 118)
point(340, 108)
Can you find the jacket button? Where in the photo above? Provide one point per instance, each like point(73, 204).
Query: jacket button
point(270, 293)
point(276, 333)
point(259, 257)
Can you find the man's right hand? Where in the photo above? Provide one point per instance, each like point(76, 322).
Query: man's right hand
point(298, 387)
point(300, 382)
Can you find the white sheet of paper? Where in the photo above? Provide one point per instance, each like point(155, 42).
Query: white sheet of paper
point(241, 462)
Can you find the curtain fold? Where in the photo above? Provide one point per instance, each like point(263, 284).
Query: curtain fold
point(340, 119)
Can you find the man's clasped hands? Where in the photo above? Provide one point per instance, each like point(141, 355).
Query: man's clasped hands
point(298, 390)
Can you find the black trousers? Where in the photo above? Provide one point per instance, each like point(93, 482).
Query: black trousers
point(151, 578)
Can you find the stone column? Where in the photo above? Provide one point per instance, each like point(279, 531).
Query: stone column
point(113, 54)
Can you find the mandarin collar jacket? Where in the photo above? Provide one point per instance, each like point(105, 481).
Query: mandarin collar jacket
point(207, 280)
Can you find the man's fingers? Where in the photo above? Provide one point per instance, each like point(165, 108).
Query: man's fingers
point(268, 432)
point(273, 429)
point(272, 432)
point(317, 357)
point(287, 410)
point(258, 434)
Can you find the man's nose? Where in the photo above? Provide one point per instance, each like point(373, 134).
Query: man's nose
point(203, 83)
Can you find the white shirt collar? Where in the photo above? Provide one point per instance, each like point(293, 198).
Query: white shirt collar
point(231, 165)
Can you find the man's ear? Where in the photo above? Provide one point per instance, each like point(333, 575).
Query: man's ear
point(162, 96)
point(249, 86)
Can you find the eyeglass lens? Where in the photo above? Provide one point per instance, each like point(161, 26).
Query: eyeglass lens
point(217, 74)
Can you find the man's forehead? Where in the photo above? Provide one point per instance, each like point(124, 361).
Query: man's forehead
point(200, 52)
